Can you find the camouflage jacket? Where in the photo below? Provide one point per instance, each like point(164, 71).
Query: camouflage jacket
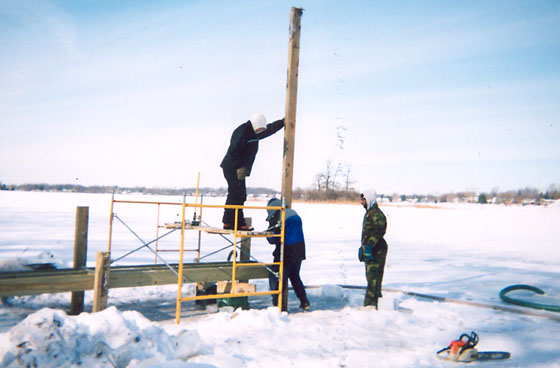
point(374, 226)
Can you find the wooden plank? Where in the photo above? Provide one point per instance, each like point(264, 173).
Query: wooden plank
point(216, 230)
point(55, 281)
point(58, 281)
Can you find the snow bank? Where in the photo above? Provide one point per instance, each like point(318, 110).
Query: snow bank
point(50, 338)
point(17, 264)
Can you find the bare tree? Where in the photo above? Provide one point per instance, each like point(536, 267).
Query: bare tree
point(336, 174)
point(327, 178)
point(348, 180)
point(319, 179)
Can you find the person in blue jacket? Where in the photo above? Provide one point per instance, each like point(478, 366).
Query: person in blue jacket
point(294, 251)
point(238, 162)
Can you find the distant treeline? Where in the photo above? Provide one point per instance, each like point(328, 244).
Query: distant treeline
point(219, 192)
point(521, 196)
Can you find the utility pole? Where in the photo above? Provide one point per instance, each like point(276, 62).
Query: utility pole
point(290, 116)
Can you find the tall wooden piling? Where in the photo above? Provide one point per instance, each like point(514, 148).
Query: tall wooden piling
point(290, 120)
point(80, 255)
point(290, 115)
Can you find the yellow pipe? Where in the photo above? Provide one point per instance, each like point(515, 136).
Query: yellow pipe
point(157, 233)
point(147, 202)
point(229, 206)
point(281, 273)
point(180, 277)
point(196, 195)
point(197, 183)
point(249, 264)
point(200, 219)
point(234, 250)
point(230, 295)
point(258, 235)
point(111, 224)
point(194, 219)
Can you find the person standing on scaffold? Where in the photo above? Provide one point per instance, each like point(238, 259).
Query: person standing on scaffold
point(238, 161)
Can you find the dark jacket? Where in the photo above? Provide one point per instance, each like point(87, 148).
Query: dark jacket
point(244, 145)
point(294, 241)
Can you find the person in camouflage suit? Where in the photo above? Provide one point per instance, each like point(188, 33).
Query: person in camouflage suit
point(373, 250)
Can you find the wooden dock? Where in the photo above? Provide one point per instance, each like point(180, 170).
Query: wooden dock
point(68, 280)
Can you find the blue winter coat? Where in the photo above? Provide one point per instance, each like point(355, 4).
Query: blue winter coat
point(294, 241)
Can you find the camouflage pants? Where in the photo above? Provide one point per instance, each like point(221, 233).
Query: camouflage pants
point(374, 277)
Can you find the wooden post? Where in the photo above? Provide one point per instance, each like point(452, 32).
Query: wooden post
point(246, 246)
point(291, 97)
point(101, 281)
point(80, 256)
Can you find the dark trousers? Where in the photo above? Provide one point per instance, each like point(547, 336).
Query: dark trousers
point(291, 272)
point(237, 195)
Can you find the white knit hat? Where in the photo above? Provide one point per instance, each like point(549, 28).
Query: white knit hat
point(258, 121)
point(371, 197)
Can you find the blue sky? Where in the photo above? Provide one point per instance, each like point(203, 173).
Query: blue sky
point(429, 96)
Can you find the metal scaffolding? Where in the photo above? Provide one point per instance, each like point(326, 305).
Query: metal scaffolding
point(198, 225)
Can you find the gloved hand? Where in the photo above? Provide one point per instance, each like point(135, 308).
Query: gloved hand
point(242, 173)
point(367, 251)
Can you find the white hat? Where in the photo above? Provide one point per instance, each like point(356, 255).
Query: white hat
point(258, 121)
point(371, 197)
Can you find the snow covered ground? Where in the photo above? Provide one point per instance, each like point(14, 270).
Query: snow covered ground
point(460, 251)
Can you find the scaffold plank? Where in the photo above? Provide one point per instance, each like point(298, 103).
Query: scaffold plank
point(216, 230)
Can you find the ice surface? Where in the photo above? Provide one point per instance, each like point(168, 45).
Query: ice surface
point(467, 252)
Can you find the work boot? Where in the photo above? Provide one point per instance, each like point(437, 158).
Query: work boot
point(240, 227)
point(305, 305)
point(371, 302)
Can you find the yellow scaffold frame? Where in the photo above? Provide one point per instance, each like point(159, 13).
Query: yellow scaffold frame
point(236, 233)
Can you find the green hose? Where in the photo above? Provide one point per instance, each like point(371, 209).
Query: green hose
point(507, 299)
